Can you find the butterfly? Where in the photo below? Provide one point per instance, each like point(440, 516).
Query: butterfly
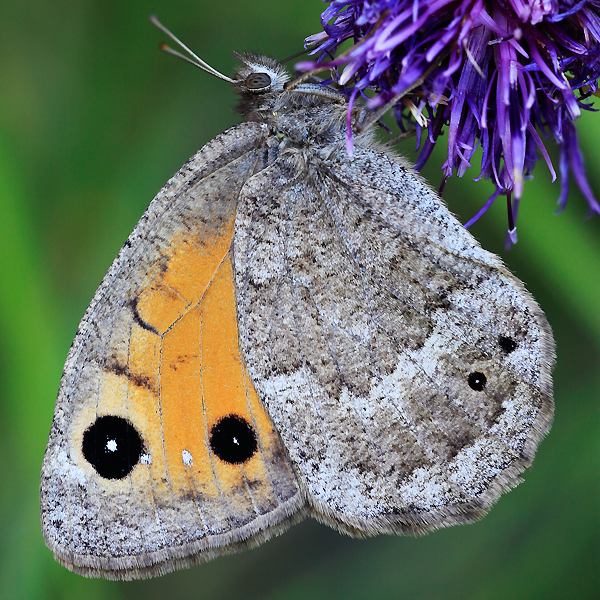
point(290, 331)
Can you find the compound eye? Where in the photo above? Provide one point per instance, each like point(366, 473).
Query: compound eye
point(258, 81)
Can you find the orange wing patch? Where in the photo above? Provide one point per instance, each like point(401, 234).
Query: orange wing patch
point(203, 386)
point(180, 279)
point(227, 388)
point(210, 436)
point(181, 397)
point(176, 415)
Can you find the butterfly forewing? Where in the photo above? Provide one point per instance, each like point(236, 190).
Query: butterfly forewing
point(156, 358)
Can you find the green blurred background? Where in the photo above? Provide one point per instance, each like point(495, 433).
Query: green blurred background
point(93, 121)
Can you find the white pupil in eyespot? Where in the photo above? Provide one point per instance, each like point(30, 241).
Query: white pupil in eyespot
point(111, 445)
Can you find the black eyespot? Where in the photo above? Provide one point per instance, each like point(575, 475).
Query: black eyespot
point(507, 344)
point(477, 381)
point(112, 446)
point(258, 81)
point(233, 440)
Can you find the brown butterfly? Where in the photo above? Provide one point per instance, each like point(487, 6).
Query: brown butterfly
point(290, 331)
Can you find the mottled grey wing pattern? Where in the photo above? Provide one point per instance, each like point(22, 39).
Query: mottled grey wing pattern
point(407, 371)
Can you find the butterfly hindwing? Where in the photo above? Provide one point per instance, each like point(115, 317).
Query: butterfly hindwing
point(407, 371)
point(160, 452)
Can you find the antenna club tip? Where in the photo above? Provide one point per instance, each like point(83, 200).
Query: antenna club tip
point(163, 46)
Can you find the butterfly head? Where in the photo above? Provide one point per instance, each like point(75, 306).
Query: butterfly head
point(259, 75)
point(265, 87)
point(267, 90)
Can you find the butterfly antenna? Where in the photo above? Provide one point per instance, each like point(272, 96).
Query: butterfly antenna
point(294, 56)
point(194, 60)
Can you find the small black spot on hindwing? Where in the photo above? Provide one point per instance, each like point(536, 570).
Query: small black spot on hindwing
point(477, 381)
point(233, 440)
point(507, 344)
point(112, 446)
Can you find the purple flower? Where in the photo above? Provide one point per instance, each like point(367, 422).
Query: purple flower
point(502, 75)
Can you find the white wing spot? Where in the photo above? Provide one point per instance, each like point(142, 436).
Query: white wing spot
point(146, 459)
point(111, 445)
point(187, 458)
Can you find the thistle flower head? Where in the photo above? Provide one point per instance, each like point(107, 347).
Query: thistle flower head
point(501, 75)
